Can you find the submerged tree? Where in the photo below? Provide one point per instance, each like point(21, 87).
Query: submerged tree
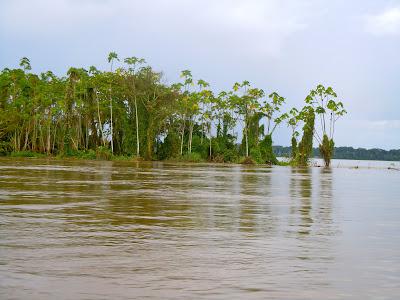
point(323, 100)
point(270, 109)
point(305, 147)
point(293, 122)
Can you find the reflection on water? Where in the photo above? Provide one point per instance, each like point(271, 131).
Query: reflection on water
point(122, 230)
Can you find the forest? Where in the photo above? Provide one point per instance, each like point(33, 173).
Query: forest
point(347, 153)
point(129, 111)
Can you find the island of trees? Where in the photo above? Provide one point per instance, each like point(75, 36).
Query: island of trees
point(130, 111)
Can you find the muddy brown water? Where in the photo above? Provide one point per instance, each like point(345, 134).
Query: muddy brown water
point(124, 230)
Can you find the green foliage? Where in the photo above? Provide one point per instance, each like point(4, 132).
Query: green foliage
point(125, 158)
point(5, 148)
point(329, 110)
point(192, 157)
point(81, 154)
point(247, 161)
point(294, 149)
point(305, 146)
point(267, 153)
point(27, 154)
point(103, 153)
point(256, 155)
point(170, 147)
point(231, 155)
point(326, 149)
point(88, 154)
point(348, 153)
point(130, 111)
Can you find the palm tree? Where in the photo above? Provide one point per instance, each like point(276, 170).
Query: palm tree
point(25, 63)
point(133, 62)
point(111, 57)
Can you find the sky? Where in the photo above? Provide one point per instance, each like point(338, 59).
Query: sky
point(287, 46)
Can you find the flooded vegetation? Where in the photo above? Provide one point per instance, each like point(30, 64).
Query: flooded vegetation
point(132, 112)
point(103, 229)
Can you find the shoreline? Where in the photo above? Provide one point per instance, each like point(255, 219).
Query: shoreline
point(392, 165)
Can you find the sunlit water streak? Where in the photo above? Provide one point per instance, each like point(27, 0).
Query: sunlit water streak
point(123, 230)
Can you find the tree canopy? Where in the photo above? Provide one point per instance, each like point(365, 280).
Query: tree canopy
point(130, 110)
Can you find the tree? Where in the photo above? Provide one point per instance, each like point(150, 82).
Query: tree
point(293, 122)
point(305, 148)
point(269, 109)
point(245, 103)
point(133, 62)
point(159, 103)
point(209, 116)
point(203, 99)
point(112, 56)
point(185, 102)
point(134, 110)
point(329, 111)
point(25, 63)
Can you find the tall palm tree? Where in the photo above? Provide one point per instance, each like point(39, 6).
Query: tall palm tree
point(25, 63)
point(112, 56)
point(133, 62)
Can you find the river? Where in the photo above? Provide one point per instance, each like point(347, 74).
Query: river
point(126, 230)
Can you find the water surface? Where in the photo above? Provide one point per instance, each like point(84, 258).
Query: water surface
point(123, 230)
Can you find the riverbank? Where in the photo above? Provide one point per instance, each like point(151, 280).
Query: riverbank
point(91, 155)
point(282, 161)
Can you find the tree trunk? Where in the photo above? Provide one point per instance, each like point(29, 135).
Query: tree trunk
point(149, 140)
point(48, 138)
point(182, 136)
point(247, 142)
point(100, 124)
point(137, 131)
point(190, 136)
point(202, 130)
point(111, 124)
point(210, 146)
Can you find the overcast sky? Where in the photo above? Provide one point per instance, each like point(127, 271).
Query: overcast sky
point(288, 46)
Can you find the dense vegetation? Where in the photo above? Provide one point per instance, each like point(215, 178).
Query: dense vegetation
point(348, 153)
point(130, 111)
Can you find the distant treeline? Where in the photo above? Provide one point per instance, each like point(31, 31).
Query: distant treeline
point(349, 153)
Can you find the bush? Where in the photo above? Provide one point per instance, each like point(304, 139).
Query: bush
point(219, 158)
point(126, 158)
point(27, 154)
point(90, 154)
point(326, 149)
point(103, 153)
point(266, 151)
point(81, 154)
point(231, 155)
point(192, 157)
point(5, 148)
point(247, 161)
point(202, 148)
point(255, 154)
point(170, 147)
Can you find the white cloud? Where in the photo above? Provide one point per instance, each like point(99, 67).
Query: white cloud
point(385, 23)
